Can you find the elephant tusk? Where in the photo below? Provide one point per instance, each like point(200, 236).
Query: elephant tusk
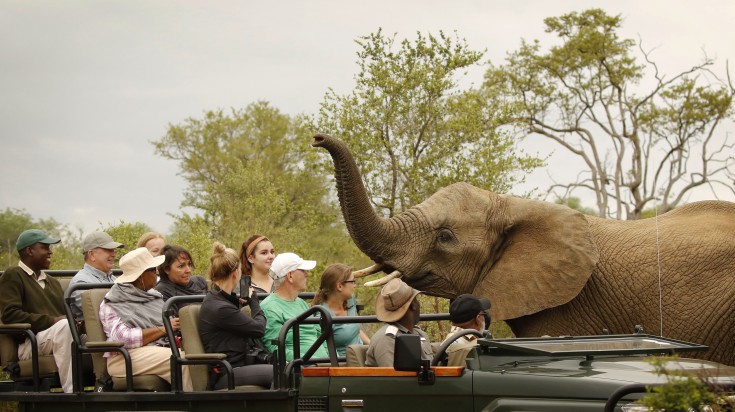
point(367, 271)
point(382, 281)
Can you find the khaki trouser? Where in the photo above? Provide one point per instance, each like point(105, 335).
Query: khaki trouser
point(55, 340)
point(148, 360)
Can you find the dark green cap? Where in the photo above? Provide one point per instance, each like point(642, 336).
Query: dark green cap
point(32, 236)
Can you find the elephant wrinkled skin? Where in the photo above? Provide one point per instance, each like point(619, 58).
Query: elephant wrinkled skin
point(548, 269)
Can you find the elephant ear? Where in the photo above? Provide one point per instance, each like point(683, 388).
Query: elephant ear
point(545, 260)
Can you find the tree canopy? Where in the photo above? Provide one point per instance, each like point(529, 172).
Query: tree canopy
point(643, 137)
point(413, 130)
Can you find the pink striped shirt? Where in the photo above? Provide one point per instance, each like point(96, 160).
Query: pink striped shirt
point(117, 331)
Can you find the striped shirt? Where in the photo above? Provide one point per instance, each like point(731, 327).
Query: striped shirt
point(117, 331)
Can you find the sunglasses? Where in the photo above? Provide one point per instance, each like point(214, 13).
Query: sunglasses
point(350, 281)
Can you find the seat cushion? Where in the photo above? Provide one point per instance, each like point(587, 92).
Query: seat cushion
point(191, 343)
point(355, 354)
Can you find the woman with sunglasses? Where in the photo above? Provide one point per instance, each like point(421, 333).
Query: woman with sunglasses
point(131, 313)
point(336, 294)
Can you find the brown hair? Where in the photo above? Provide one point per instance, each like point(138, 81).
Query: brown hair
point(172, 253)
point(223, 261)
point(247, 249)
point(148, 236)
point(333, 275)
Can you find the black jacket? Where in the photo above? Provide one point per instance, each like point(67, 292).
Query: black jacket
point(225, 329)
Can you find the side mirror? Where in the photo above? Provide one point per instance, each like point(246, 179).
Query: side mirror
point(407, 353)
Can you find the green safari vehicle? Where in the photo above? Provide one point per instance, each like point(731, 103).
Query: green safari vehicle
point(589, 373)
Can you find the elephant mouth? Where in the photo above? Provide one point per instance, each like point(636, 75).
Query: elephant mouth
point(430, 283)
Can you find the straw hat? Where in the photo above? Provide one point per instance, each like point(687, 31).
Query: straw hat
point(394, 300)
point(134, 263)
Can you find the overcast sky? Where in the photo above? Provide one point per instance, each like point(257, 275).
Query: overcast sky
point(85, 86)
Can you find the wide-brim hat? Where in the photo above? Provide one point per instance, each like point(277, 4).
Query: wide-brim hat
point(134, 263)
point(394, 300)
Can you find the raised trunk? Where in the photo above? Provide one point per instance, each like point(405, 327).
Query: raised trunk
point(371, 233)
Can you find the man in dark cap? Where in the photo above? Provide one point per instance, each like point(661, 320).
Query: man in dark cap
point(466, 312)
point(27, 295)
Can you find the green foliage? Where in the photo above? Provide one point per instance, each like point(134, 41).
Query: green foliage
point(412, 130)
point(683, 391)
point(253, 171)
point(576, 204)
point(14, 221)
point(638, 144)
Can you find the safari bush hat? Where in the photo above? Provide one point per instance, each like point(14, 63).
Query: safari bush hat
point(394, 300)
point(134, 263)
point(465, 307)
point(96, 240)
point(288, 262)
point(31, 236)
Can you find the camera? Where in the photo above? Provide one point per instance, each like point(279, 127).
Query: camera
point(245, 282)
point(257, 356)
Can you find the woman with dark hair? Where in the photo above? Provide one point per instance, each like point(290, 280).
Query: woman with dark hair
point(256, 256)
point(224, 328)
point(131, 313)
point(175, 273)
point(336, 293)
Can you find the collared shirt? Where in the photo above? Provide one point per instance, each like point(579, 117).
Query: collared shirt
point(380, 350)
point(41, 280)
point(117, 331)
point(88, 274)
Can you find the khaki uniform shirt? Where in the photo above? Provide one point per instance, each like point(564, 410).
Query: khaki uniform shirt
point(382, 344)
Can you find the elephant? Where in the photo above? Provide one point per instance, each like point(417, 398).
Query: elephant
point(550, 270)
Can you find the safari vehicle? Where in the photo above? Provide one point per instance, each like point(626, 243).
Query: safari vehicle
point(590, 373)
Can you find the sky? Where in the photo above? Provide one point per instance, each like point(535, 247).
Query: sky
point(86, 86)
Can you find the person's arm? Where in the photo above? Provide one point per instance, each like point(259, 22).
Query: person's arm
point(364, 337)
point(11, 299)
point(230, 318)
point(272, 329)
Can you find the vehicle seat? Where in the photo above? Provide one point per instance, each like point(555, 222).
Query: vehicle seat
point(355, 355)
point(91, 300)
point(191, 343)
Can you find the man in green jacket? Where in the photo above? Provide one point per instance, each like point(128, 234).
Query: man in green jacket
point(28, 295)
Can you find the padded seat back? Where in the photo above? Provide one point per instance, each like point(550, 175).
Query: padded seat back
point(191, 343)
point(355, 355)
point(91, 300)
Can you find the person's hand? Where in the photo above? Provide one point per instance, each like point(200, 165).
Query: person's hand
point(175, 324)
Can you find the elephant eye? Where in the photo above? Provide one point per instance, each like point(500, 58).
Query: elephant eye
point(445, 235)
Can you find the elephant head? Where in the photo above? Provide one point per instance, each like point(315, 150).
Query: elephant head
point(524, 255)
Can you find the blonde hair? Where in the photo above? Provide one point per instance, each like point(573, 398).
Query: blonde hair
point(333, 275)
point(223, 261)
point(148, 236)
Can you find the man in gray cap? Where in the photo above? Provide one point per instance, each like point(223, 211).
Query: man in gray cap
point(99, 257)
point(27, 295)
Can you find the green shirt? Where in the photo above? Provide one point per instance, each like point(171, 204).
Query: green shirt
point(277, 312)
point(23, 300)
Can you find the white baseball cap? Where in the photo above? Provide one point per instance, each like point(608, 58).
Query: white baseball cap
point(288, 262)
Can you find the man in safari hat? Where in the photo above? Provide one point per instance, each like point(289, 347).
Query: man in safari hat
point(398, 307)
point(27, 295)
point(99, 257)
point(289, 272)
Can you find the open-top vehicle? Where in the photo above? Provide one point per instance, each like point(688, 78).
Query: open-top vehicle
point(590, 373)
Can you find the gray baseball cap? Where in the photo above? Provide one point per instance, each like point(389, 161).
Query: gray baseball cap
point(99, 239)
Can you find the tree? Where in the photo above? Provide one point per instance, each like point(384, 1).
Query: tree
point(638, 148)
point(253, 171)
point(411, 128)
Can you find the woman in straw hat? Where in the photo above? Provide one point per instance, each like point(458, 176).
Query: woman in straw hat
point(225, 329)
point(131, 313)
point(398, 307)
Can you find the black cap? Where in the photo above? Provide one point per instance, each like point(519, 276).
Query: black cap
point(466, 307)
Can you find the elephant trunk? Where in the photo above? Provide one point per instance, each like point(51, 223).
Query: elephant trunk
point(371, 233)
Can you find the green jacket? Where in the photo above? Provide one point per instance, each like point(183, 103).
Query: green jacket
point(23, 300)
